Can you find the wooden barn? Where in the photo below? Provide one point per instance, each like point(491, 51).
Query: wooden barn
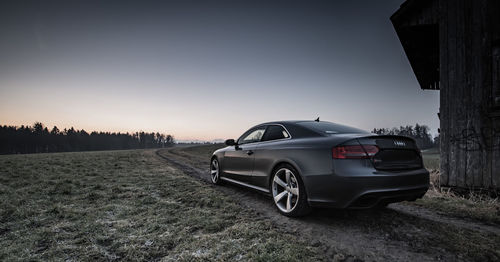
point(454, 46)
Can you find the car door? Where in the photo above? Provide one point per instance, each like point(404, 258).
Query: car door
point(239, 161)
point(270, 147)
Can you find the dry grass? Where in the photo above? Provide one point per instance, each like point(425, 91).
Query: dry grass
point(126, 205)
point(474, 204)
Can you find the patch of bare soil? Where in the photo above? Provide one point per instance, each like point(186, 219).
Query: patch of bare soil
point(443, 218)
point(397, 233)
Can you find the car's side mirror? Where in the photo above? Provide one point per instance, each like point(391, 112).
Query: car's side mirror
point(230, 142)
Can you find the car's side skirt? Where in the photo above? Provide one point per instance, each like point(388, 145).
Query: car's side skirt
point(244, 184)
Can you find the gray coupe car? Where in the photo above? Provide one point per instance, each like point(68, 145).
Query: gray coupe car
point(305, 164)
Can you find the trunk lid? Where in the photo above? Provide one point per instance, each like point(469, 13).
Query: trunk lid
point(395, 152)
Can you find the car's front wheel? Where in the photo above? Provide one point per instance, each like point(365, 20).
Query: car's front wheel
point(288, 192)
point(215, 171)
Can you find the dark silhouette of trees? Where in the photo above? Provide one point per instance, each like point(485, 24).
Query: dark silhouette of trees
point(38, 139)
point(418, 132)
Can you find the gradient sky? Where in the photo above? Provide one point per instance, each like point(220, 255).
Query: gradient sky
point(205, 69)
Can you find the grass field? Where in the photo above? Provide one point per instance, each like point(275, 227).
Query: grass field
point(132, 205)
point(431, 158)
point(126, 205)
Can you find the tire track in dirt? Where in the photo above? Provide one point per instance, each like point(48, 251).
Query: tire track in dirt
point(424, 213)
point(393, 234)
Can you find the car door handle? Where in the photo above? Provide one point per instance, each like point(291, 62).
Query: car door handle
point(249, 152)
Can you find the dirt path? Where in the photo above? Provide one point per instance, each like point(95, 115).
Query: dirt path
point(423, 213)
point(398, 233)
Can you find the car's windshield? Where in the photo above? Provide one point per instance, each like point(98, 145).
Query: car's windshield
point(330, 128)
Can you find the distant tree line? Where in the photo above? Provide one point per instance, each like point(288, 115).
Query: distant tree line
point(39, 139)
point(418, 132)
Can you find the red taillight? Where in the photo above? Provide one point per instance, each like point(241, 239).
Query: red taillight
point(371, 150)
point(361, 151)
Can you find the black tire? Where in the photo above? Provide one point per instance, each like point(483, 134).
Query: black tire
point(300, 205)
point(215, 179)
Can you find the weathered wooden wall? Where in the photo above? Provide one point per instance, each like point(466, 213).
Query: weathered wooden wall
point(469, 137)
point(469, 83)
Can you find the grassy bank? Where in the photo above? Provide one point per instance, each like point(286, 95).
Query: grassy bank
point(126, 205)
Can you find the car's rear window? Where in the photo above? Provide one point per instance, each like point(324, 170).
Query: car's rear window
point(330, 128)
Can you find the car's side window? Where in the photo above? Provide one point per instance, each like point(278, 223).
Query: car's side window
point(254, 135)
point(275, 132)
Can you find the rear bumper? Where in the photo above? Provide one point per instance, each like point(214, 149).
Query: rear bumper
point(365, 189)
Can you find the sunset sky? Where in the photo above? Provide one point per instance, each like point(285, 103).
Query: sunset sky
point(205, 69)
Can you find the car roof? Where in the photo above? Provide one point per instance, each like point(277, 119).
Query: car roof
point(303, 128)
point(288, 122)
point(295, 130)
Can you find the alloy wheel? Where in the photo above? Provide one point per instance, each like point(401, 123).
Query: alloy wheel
point(214, 171)
point(285, 189)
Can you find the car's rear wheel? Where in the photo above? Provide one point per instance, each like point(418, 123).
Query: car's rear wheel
point(288, 192)
point(215, 171)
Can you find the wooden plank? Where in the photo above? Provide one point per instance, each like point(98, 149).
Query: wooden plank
point(494, 22)
point(461, 87)
point(483, 80)
point(471, 90)
point(444, 144)
point(454, 130)
point(484, 100)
